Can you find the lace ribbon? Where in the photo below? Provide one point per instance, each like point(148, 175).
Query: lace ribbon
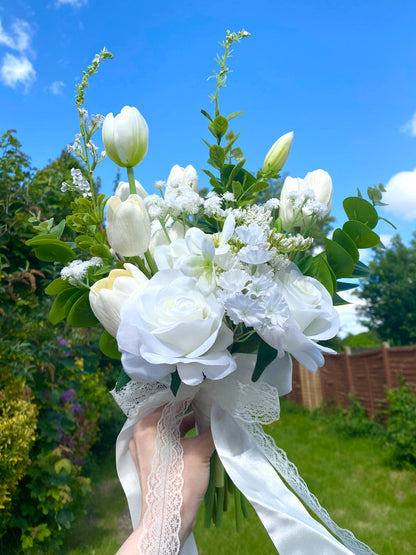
point(162, 520)
point(235, 408)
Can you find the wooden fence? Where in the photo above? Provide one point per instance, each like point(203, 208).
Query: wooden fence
point(366, 374)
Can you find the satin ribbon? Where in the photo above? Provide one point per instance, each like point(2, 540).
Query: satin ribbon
point(235, 408)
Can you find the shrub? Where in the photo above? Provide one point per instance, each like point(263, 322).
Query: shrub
point(400, 422)
point(17, 433)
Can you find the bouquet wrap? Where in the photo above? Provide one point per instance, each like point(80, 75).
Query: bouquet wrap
point(235, 408)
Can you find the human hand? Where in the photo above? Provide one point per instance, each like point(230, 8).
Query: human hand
point(197, 452)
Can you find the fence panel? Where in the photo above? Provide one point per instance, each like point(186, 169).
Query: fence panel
point(365, 374)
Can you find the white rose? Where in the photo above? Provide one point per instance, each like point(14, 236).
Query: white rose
point(310, 304)
point(171, 325)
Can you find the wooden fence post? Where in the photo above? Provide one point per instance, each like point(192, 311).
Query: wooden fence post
point(347, 353)
point(384, 346)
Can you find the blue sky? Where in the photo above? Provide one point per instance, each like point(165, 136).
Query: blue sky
point(340, 74)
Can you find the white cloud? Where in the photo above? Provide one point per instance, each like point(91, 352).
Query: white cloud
point(348, 315)
point(15, 70)
point(56, 87)
point(20, 38)
point(400, 195)
point(410, 126)
point(74, 3)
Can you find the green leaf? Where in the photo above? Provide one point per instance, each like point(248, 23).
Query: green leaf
point(338, 258)
point(337, 300)
point(361, 234)
point(305, 263)
point(204, 113)
point(45, 238)
point(123, 379)
point(55, 252)
point(345, 285)
point(49, 248)
point(361, 210)
point(237, 153)
point(220, 125)
point(322, 271)
point(175, 382)
point(81, 315)
point(58, 229)
point(343, 239)
point(265, 355)
point(216, 157)
point(360, 270)
point(60, 306)
point(108, 346)
point(57, 286)
point(102, 251)
point(234, 115)
point(237, 188)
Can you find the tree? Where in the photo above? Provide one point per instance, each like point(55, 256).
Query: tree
point(390, 293)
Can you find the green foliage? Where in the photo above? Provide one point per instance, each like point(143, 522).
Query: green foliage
point(47, 383)
point(351, 421)
point(390, 294)
point(400, 422)
point(17, 432)
point(364, 340)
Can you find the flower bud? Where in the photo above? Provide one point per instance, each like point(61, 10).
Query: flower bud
point(301, 198)
point(277, 155)
point(108, 295)
point(128, 225)
point(125, 137)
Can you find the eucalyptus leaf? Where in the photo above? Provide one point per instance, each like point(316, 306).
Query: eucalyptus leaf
point(361, 234)
point(338, 258)
point(347, 243)
point(361, 210)
point(345, 285)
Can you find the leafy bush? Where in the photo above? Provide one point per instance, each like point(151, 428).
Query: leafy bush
point(351, 421)
point(68, 377)
point(400, 422)
point(17, 433)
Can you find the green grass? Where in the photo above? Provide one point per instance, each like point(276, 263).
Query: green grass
point(350, 477)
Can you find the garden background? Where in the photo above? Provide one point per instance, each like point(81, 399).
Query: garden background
point(342, 77)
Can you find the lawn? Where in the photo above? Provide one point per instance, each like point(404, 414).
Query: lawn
point(350, 477)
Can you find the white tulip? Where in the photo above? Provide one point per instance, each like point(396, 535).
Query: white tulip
point(182, 177)
point(108, 295)
point(126, 137)
point(128, 225)
point(123, 190)
point(300, 199)
point(278, 154)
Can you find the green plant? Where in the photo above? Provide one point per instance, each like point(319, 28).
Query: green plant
point(400, 422)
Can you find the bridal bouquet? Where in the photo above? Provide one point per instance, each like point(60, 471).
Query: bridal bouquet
point(206, 295)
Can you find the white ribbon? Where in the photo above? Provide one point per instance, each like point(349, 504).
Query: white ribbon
point(235, 408)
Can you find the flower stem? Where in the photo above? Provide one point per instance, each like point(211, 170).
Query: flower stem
point(132, 182)
point(151, 262)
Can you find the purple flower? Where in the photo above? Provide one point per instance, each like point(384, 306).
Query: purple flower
point(68, 396)
point(76, 408)
point(62, 341)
